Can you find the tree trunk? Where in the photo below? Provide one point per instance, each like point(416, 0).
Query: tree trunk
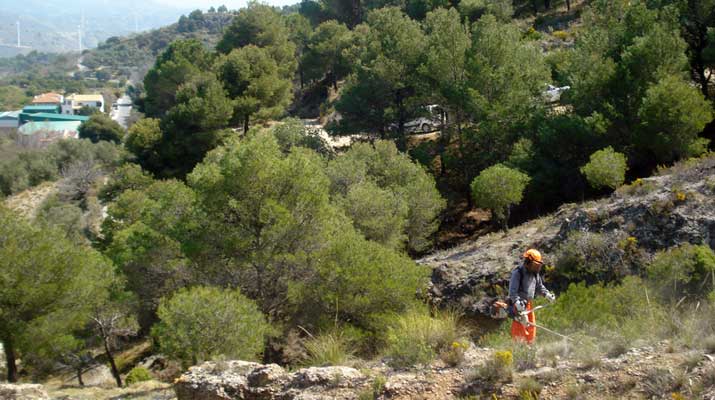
point(401, 140)
point(547, 4)
point(79, 376)
point(568, 5)
point(110, 357)
point(300, 73)
point(536, 6)
point(245, 124)
point(9, 348)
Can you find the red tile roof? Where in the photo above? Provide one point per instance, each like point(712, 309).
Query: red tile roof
point(46, 98)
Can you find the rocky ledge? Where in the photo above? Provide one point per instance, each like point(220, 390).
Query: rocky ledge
point(22, 392)
point(253, 381)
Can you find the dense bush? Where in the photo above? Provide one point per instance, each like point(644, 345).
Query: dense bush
point(606, 168)
point(101, 127)
point(381, 171)
point(686, 271)
point(600, 311)
point(203, 323)
point(328, 349)
point(417, 338)
point(593, 258)
point(498, 188)
point(136, 375)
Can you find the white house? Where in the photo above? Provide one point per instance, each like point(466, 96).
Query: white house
point(74, 102)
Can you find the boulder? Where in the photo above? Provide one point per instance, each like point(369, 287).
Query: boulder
point(98, 375)
point(22, 392)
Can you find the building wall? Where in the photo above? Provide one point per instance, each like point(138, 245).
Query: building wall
point(9, 123)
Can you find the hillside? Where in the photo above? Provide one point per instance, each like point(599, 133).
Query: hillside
point(654, 213)
point(51, 26)
point(131, 56)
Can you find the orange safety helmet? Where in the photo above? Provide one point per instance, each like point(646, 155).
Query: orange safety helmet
point(533, 255)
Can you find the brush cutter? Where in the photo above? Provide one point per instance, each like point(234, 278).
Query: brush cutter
point(499, 310)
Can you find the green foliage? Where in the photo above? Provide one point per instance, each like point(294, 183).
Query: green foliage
point(606, 168)
point(327, 50)
point(416, 338)
point(143, 139)
point(475, 9)
point(498, 188)
point(328, 349)
point(182, 60)
point(203, 323)
point(293, 132)
point(271, 210)
point(672, 115)
point(254, 82)
point(601, 311)
point(379, 214)
point(12, 98)
point(684, 271)
point(401, 182)
point(446, 57)
point(387, 55)
point(360, 281)
point(594, 257)
point(148, 234)
point(128, 176)
point(136, 375)
point(57, 280)
point(101, 127)
point(262, 26)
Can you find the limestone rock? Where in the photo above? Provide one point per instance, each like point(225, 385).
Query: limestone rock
point(22, 392)
point(247, 380)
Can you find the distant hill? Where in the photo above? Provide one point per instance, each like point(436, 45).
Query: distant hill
point(52, 25)
point(130, 57)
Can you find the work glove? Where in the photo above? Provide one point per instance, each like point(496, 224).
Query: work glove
point(551, 297)
point(520, 305)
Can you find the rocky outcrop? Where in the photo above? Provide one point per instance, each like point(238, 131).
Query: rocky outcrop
point(23, 392)
point(253, 381)
point(653, 371)
point(658, 212)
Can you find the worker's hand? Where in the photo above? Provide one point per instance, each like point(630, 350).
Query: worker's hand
point(551, 296)
point(520, 305)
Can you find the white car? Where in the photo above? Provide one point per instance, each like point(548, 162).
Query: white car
point(552, 94)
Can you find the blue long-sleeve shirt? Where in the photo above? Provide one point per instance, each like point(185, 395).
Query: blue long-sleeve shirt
point(525, 284)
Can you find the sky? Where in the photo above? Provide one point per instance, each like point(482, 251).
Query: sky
point(231, 4)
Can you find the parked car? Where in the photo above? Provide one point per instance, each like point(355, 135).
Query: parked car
point(552, 94)
point(427, 124)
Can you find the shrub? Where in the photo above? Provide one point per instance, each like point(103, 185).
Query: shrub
point(561, 35)
point(496, 369)
point(415, 337)
point(137, 374)
point(529, 389)
point(684, 271)
point(498, 188)
point(101, 127)
point(592, 257)
point(203, 323)
point(328, 349)
point(600, 310)
point(606, 168)
point(454, 354)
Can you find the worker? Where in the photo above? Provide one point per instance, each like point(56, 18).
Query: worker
point(526, 282)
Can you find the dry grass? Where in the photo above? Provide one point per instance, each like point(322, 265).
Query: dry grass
point(149, 390)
